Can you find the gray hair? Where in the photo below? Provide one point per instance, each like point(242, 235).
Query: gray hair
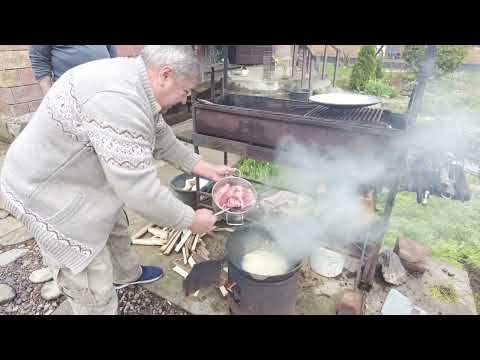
point(180, 57)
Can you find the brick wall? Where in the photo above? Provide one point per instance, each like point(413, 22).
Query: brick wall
point(20, 94)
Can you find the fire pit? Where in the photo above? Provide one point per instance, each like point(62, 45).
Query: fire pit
point(254, 293)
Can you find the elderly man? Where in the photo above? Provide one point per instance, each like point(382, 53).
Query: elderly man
point(49, 62)
point(87, 152)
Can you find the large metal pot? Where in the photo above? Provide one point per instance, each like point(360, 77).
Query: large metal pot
point(232, 217)
point(253, 237)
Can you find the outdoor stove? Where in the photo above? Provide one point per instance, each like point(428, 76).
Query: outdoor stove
point(262, 297)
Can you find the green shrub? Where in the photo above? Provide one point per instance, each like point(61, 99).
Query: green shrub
point(379, 69)
point(380, 88)
point(364, 69)
point(448, 58)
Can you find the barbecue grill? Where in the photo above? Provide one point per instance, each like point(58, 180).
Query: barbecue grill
point(252, 126)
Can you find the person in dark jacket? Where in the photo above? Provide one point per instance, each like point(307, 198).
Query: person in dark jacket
point(49, 62)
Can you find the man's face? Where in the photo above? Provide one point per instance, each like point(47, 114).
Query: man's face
point(172, 90)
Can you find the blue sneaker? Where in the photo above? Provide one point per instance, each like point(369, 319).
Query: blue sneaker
point(149, 274)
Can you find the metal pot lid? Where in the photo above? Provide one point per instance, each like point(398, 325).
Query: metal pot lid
point(344, 99)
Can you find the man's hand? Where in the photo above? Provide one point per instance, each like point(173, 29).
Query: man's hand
point(211, 171)
point(203, 222)
point(45, 84)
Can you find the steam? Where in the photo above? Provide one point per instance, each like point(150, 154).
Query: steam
point(337, 216)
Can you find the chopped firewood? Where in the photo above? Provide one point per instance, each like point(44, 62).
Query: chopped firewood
point(231, 286)
point(184, 239)
point(180, 271)
point(223, 291)
point(203, 249)
point(190, 240)
point(195, 241)
point(172, 243)
point(231, 230)
point(184, 253)
point(173, 234)
point(198, 258)
point(191, 261)
point(151, 241)
point(142, 231)
point(196, 293)
point(158, 233)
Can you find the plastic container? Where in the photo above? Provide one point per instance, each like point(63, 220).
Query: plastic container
point(326, 262)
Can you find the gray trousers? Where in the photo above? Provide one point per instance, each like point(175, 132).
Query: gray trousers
point(91, 292)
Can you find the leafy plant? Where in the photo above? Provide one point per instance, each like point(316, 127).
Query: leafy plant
point(257, 169)
point(445, 293)
point(379, 69)
point(448, 58)
point(380, 88)
point(364, 69)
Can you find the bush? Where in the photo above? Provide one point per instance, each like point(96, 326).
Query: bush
point(379, 68)
point(448, 59)
point(380, 88)
point(364, 69)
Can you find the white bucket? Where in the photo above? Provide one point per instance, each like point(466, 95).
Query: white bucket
point(326, 262)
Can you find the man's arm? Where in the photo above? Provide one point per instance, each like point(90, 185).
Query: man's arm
point(171, 150)
point(121, 134)
point(40, 57)
point(112, 49)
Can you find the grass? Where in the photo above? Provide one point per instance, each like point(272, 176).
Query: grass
point(449, 227)
point(445, 293)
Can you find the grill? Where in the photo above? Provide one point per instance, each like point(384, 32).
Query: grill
point(253, 126)
point(361, 115)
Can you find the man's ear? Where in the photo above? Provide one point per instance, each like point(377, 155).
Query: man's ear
point(166, 72)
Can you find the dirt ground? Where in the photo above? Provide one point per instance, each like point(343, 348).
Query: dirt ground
point(474, 276)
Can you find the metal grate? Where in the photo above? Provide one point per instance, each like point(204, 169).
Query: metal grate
point(366, 114)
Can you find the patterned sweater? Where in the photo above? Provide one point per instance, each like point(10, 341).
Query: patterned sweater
point(87, 152)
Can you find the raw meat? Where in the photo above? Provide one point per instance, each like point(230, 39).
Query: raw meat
point(234, 197)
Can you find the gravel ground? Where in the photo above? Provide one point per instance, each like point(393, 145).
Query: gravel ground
point(132, 300)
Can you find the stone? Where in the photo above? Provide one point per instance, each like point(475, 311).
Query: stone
point(398, 304)
point(10, 256)
point(418, 267)
point(350, 303)
point(329, 288)
point(41, 276)
point(50, 291)
point(7, 294)
point(16, 236)
point(410, 250)
point(392, 269)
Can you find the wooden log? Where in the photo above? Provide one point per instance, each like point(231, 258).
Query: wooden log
point(142, 231)
point(151, 241)
point(230, 230)
point(158, 232)
point(195, 241)
point(223, 291)
point(180, 271)
point(191, 261)
point(184, 253)
point(184, 239)
point(172, 243)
